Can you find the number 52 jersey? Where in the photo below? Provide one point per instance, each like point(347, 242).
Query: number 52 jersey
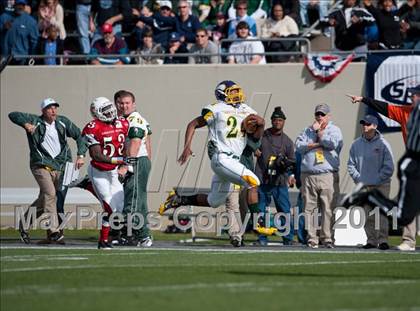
point(224, 123)
point(109, 136)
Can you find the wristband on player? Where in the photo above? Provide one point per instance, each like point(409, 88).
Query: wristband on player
point(117, 160)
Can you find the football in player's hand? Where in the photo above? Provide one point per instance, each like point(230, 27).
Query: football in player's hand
point(250, 124)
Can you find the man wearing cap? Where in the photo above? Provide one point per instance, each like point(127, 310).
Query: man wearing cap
point(274, 168)
point(320, 145)
point(400, 114)
point(162, 23)
point(47, 137)
point(109, 44)
point(22, 36)
point(176, 47)
point(408, 167)
point(371, 162)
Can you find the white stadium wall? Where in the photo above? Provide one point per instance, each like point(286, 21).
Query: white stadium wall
point(169, 97)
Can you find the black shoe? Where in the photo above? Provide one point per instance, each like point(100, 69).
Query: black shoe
point(368, 246)
point(329, 245)
point(383, 246)
point(236, 242)
point(24, 236)
point(57, 238)
point(104, 245)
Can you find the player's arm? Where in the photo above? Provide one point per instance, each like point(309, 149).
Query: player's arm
point(377, 105)
point(96, 154)
point(260, 127)
point(189, 134)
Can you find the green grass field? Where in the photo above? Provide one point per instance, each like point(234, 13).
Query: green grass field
point(207, 278)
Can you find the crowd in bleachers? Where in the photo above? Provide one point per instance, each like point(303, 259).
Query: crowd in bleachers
point(150, 28)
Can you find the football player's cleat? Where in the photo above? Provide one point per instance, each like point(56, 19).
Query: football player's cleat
point(236, 241)
point(268, 231)
point(80, 183)
point(146, 242)
point(172, 201)
point(24, 235)
point(104, 245)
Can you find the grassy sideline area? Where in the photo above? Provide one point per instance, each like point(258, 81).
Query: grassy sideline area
point(207, 277)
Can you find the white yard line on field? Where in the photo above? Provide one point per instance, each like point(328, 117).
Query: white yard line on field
point(189, 265)
point(233, 286)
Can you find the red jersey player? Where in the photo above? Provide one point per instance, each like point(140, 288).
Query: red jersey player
point(105, 136)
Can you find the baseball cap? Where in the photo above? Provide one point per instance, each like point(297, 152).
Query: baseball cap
point(48, 102)
point(165, 3)
point(106, 28)
point(174, 36)
point(369, 119)
point(324, 108)
point(220, 15)
point(414, 90)
point(21, 2)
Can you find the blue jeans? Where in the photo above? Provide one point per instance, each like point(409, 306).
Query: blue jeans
point(282, 203)
point(322, 8)
point(300, 230)
point(412, 45)
point(82, 17)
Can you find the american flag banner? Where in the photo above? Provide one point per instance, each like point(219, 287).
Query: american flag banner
point(327, 66)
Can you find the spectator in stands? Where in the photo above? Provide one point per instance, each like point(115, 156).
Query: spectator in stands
point(241, 15)
point(6, 20)
point(240, 47)
point(150, 47)
point(279, 26)
point(410, 24)
point(320, 145)
point(210, 9)
point(176, 47)
point(388, 22)
point(51, 46)
point(371, 162)
point(83, 8)
point(220, 30)
point(275, 175)
point(141, 28)
point(111, 12)
point(349, 23)
point(320, 5)
point(203, 46)
point(109, 44)
point(188, 24)
point(162, 23)
point(22, 36)
point(291, 8)
point(307, 10)
point(50, 12)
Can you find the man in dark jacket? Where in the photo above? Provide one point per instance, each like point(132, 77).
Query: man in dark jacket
point(47, 138)
point(349, 23)
point(22, 37)
point(274, 166)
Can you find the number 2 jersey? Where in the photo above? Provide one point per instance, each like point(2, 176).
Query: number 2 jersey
point(224, 122)
point(111, 138)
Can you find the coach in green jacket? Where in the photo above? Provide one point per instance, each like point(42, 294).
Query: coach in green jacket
point(47, 137)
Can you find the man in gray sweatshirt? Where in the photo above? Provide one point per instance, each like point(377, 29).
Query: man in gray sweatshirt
point(320, 145)
point(371, 162)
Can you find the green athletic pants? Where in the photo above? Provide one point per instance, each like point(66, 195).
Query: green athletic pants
point(135, 196)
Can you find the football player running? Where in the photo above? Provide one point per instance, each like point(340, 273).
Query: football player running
point(105, 136)
point(228, 138)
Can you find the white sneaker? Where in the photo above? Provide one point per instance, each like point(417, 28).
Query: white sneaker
point(146, 242)
point(405, 247)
